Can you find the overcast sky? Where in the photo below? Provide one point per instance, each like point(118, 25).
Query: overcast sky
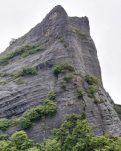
point(17, 17)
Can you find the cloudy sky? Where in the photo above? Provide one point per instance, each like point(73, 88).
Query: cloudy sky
point(17, 17)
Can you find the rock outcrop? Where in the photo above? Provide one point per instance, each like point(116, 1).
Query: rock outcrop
point(65, 39)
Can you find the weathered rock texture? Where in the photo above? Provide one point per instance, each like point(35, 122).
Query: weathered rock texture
point(81, 53)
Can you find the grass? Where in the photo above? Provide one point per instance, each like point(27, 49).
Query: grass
point(19, 81)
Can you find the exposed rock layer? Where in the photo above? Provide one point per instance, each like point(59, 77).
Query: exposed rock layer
point(81, 53)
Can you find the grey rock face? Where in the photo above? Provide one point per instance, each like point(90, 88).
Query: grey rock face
point(81, 53)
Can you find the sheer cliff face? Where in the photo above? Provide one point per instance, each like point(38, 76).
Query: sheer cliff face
point(76, 48)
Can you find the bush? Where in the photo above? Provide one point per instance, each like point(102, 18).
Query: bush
point(83, 115)
point(50, 107)
point(4, 124)
point(3, 137)
point(68, 78)
point(63, 84)
point(79, 94)
point(20, 141)
point(90, 79)
point(96, 102)
point(26, 71)
point(25, 122)
point(62, 68)
point(92, 90)
point(51, 95)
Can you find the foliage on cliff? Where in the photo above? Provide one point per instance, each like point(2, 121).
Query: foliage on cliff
point(26, 120)
point(74, 134)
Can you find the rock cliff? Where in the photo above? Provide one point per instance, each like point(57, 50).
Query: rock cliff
point(65, 39)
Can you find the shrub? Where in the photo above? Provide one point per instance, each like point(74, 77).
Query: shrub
point(27, 117)
point(3, 137)
point(79, 94)
point(41, 110)
point(31, 114)
point(96, 102)
point(92, 90)
point(63, 84)
point(68, 78)
point(62, 68)
point(90, 79)
point(83, 115)
point(26, 71)
point(51, 95)
point(50, 107)
point(20, 141)
point(25, 122)
point(4, 124)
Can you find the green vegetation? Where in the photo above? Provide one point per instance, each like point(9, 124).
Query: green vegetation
point(74, 134)
point(33, 51)
point(90, 79)
point(63, 84)
point(79, 34)
point(51, 95)
point(4, 124)
point(118, 109)
point(68, 78)
point(62, 68)
point(4, 81)
point(79, 93)
point(3, 137)
point(4, 74)
point(26, 120)
point(22, 51)
point(19, 81)
point(23, 72)
point(96, 102)
point(26, 71)
point(92, 90)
